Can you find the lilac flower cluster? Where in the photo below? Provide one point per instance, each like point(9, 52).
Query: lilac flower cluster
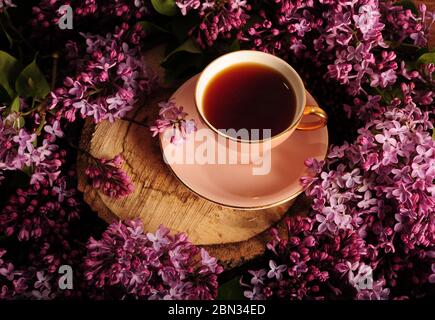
point(354, 39)
point(36, 214)
point(306, 265)
point(128, 263)
point(407, 24)
point(20, 149)
point(127, 10)
point(39, 223)
point(173, 117)
point(108, 176)
point(219, 19)
point(11, 281)
point(280, 29)
point(110, 77)
point(5, 4)
point(388, 171)
point(30, 282)
point(381, 186)
point(347, 37)
point(46, 14)
point(415, 82)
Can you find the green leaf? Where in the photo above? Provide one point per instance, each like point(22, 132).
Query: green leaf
point(231, 290)
point(15, 105)
point(19, 123)
point(433, 134)
point(152, 28)
point(407, 4)
point(426, 58)
point(9, 69)
point(32, 83)
point(165, 7)
point(187, 46)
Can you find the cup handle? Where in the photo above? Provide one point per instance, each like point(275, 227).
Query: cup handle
point(319, 113)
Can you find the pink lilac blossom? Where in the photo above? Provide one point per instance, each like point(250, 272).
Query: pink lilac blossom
point(219, 19)
point(422, 79)
point(128, 263)
point(5, 4)
point(110, 78)
point(107, 175)
point(173, 118)
point(306, 265)
point(12, 284)
point(27, 217)
point(39, 222)
point(408, 24)
point(376, 292)
point(32, 282)
point(348, 37)
point(382, 186)
point(46, 14)
point(415, 82)
point(388, 171)
point(281, 31)
point(21, 150)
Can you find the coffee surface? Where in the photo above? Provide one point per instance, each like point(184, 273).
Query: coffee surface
point(249, 96)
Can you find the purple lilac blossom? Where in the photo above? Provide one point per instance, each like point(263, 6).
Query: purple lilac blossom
point(39, 221)
point(219, 19)
point(172, 117)
point(110, 78)
point(46, 14)
point(383, 184)
point(5, 4)
point(348, 37)
point(21, 150)
point(128, 263)
point(305, 265)
point(107, 175)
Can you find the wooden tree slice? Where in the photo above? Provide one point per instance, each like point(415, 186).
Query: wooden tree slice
point(159, 198)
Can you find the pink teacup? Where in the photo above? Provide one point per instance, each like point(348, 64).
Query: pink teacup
point(302, 110)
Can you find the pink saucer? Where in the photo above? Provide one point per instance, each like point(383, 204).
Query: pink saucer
point(235, 185)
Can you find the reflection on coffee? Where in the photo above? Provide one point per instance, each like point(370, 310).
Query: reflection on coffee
point(250, 96)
